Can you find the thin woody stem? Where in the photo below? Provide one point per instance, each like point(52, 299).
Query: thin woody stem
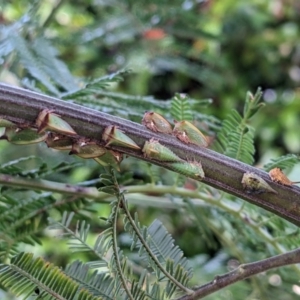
point(22, 106)
point(244, 271)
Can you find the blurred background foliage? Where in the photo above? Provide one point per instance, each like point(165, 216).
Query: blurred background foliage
point(214, 50)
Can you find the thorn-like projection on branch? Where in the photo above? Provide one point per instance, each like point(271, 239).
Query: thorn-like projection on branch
point(48, 120)
point(25, 136)
point(153, 149)
point(189, 134)
point(156, 122)
point(110, 158)
point(114, 136)
point(192, 169)
point(253, 184)
point(59, 141)
point(86, 149)
point(278, 176)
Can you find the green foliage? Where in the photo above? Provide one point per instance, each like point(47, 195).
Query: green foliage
point(180, 108)
point(236, 136)
point(39, 59)
point(41, 168)
point(164, 261)
point(36, 274)
point(23, 215)
point(99, 284)
point(82, 53)
point(282, 162)
point(95, 85)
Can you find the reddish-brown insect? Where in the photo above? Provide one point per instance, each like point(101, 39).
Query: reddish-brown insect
point(278, 176)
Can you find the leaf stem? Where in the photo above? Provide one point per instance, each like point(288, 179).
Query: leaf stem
point(116, 250)
point(151, 255)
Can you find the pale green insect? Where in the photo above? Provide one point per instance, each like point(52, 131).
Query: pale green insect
point(192, 169)
point(2, 131)
point(153, 149)
point(114, 136)
point(24, 136)
point(156, 122)
point(48, 120)
point(253, 184)
point(189, 134)
point(87, 149)
point(6, 123)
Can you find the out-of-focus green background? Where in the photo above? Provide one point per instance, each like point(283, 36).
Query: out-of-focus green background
point(207, 49)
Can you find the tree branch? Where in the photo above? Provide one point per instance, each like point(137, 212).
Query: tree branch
point(22, 106)
point(244, 271)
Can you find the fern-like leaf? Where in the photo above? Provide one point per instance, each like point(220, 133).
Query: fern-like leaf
point(180, 108)
point(92, 87)
point(41, 168)
point(137, 292)
point(236, 137)
point(241, 145)
point(155, 245)
point(28, 60)
point(22, 216)
point(161, 246)
point(78, 238)
point(46, 55)
point(25, 274)
point(98, 284)
point(282, 162)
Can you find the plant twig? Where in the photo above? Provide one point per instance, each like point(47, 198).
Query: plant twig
point(22, 106)
point(244, 271)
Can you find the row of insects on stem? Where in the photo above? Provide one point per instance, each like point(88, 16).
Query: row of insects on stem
point(59, 135)
point(188, 133)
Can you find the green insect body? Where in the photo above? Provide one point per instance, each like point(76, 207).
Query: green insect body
point(191, 169)
point(6, 123)
point(2, 131)
point(24, 136)
point(253, 184)
point(189, 134)
point(85, 149)
point(153, 149)
point(59, 141)
point(47, 120)
point(157, 123)
point(114, 136)
point(110, 158)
